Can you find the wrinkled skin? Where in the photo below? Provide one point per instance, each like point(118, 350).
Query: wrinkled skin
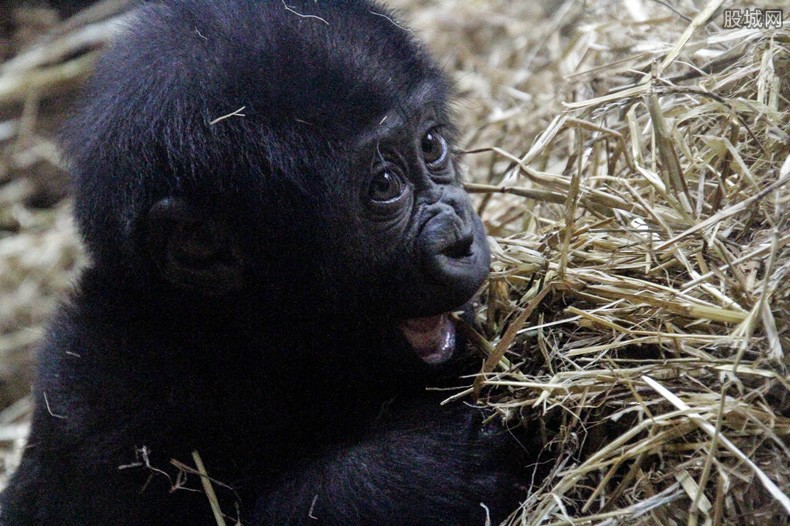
point(270, 289)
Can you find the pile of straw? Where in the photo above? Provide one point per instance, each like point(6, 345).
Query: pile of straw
point(632, 163)
point(639, 309)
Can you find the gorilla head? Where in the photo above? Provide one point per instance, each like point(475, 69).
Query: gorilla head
point(297, 158)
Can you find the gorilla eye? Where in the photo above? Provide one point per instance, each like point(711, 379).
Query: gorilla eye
point(386, 186)
point(434, 149)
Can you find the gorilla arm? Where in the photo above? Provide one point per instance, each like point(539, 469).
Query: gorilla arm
point(420, 465)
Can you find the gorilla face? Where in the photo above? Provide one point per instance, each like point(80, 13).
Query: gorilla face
point(414, 200)
point(423, 246)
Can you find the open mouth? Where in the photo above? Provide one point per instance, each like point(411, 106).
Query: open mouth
point(431, 337)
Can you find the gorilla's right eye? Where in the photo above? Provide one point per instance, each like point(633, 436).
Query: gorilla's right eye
point(386, 186)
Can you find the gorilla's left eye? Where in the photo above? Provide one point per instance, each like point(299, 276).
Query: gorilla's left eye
point(386, 186)
point(434, 149)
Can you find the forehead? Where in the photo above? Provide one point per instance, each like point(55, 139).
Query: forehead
point(425, 105)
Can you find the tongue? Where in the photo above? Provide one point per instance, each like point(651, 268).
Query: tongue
point(432, 337)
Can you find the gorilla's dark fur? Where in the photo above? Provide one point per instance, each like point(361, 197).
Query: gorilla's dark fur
point(276, 227)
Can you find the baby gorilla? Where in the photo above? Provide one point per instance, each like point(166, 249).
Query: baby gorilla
point(277, 229)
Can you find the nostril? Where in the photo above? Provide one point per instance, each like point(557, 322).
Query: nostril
point(461, 248)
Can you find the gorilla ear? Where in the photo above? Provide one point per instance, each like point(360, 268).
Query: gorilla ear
point(192, 251)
